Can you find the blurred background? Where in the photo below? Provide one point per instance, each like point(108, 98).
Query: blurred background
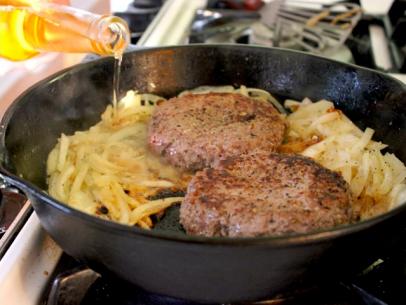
point(369, 32)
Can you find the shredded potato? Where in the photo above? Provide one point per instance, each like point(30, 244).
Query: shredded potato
point(107, 170)
point(377, 180)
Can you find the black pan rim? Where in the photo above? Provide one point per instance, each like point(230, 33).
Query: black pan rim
point(273, 241)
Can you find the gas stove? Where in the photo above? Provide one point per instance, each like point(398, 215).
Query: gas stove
point(379, 285)
point(34, 270)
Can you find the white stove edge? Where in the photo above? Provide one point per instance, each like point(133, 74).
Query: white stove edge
point(27, 265)
point(401, 77)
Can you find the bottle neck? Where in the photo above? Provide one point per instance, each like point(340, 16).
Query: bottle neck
point(109, 35)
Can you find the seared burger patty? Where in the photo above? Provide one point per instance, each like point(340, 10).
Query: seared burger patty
point(265, 194)
point(198, 130)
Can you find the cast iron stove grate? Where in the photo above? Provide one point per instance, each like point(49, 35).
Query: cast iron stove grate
point(382, 284)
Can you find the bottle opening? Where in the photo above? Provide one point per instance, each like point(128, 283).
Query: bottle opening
point(113, 35)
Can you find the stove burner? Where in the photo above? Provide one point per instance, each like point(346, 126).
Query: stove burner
point(78, 280)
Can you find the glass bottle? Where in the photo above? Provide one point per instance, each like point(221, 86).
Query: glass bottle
point(26, 31)
point(30, 2)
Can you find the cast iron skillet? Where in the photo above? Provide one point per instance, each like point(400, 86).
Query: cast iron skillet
point(165, 260)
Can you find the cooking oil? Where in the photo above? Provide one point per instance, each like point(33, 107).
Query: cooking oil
point(30, 2)
point(116, 81)
point(27, 31)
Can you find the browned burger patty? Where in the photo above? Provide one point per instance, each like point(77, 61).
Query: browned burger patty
point(198, 130)
point(265, 194)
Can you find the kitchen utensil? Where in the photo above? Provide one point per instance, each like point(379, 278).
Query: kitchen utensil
point(315, 28)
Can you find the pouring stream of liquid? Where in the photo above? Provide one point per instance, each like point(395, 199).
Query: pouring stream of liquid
point(116, 80)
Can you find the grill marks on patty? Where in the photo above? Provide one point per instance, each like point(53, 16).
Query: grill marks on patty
point(265, 194)
point(198, 130)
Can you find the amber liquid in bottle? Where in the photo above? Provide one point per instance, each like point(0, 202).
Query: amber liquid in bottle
point(31, 2)
point(27, 31)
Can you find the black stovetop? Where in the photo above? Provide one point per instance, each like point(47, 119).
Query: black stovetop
point(383, 283)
